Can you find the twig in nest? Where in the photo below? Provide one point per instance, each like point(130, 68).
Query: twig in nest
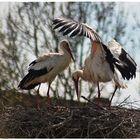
point(115, 128)
point(70, 132)
point(124, 100)
point(100, 131)
point(61, 123)
point(40, 131)
point(93, 103)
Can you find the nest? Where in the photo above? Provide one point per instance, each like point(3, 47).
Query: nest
point(89, 121)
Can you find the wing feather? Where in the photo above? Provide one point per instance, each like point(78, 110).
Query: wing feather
point(47, 60)
point(75, 28)
point(125, 64)
point(64, 28)
point(41, 66)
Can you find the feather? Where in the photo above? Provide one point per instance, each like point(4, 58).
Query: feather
point(78, 29)
point(32, 74)
point(125, 64)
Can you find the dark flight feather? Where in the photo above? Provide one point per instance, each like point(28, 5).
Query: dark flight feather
point(75, 28)
point(32, 74)
point(124, 63)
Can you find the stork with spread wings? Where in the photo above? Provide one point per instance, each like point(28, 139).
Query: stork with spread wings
point(104, 63)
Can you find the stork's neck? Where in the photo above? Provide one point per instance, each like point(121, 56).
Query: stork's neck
point(80, 74)
point(66, 53)
point(95, 48)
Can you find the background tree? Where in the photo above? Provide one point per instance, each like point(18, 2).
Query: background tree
point(28, 33)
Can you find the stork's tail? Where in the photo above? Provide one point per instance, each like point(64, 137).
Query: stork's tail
point(117, 80)
point(26, 84)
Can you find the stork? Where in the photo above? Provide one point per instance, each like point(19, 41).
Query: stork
point(104, 63)
point(45, 68)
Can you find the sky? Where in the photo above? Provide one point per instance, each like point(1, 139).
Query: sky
point(133, 85)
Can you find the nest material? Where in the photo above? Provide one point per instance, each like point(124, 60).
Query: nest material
point(89, 121)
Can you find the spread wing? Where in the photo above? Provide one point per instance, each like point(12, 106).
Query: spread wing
point(74, 28)
point(119, 57)
point(125, 63)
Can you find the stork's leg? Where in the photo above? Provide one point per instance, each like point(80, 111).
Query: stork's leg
point(37, 98)
point(112, 96)
point(48, 95)
point(99, 94)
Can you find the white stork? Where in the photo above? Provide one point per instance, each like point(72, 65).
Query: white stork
point(105, 62)
point(45, 68)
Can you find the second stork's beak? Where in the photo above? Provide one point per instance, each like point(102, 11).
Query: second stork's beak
point(76, 87)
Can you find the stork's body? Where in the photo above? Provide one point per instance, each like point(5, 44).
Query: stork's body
point(96, 69)
point(99, 68)
point(105, 62)
point(47, 67)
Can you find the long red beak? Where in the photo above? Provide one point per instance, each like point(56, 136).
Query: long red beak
point(77, 88)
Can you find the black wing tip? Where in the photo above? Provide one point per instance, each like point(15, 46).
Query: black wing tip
point(57, 20)
point(31, 86)
point(62, 18)
point(126, 72)
point(129, 57)
point(80, 29)
point(22, 85)
point(32, 63)
point(127, 66)
point(30, 76)
point(24, 81)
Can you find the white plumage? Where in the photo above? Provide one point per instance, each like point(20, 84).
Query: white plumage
point(47, 67)
point(104, 62)
point(114, 47)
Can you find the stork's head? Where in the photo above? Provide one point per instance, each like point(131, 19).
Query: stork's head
point(75, 78)
point(65, 46)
